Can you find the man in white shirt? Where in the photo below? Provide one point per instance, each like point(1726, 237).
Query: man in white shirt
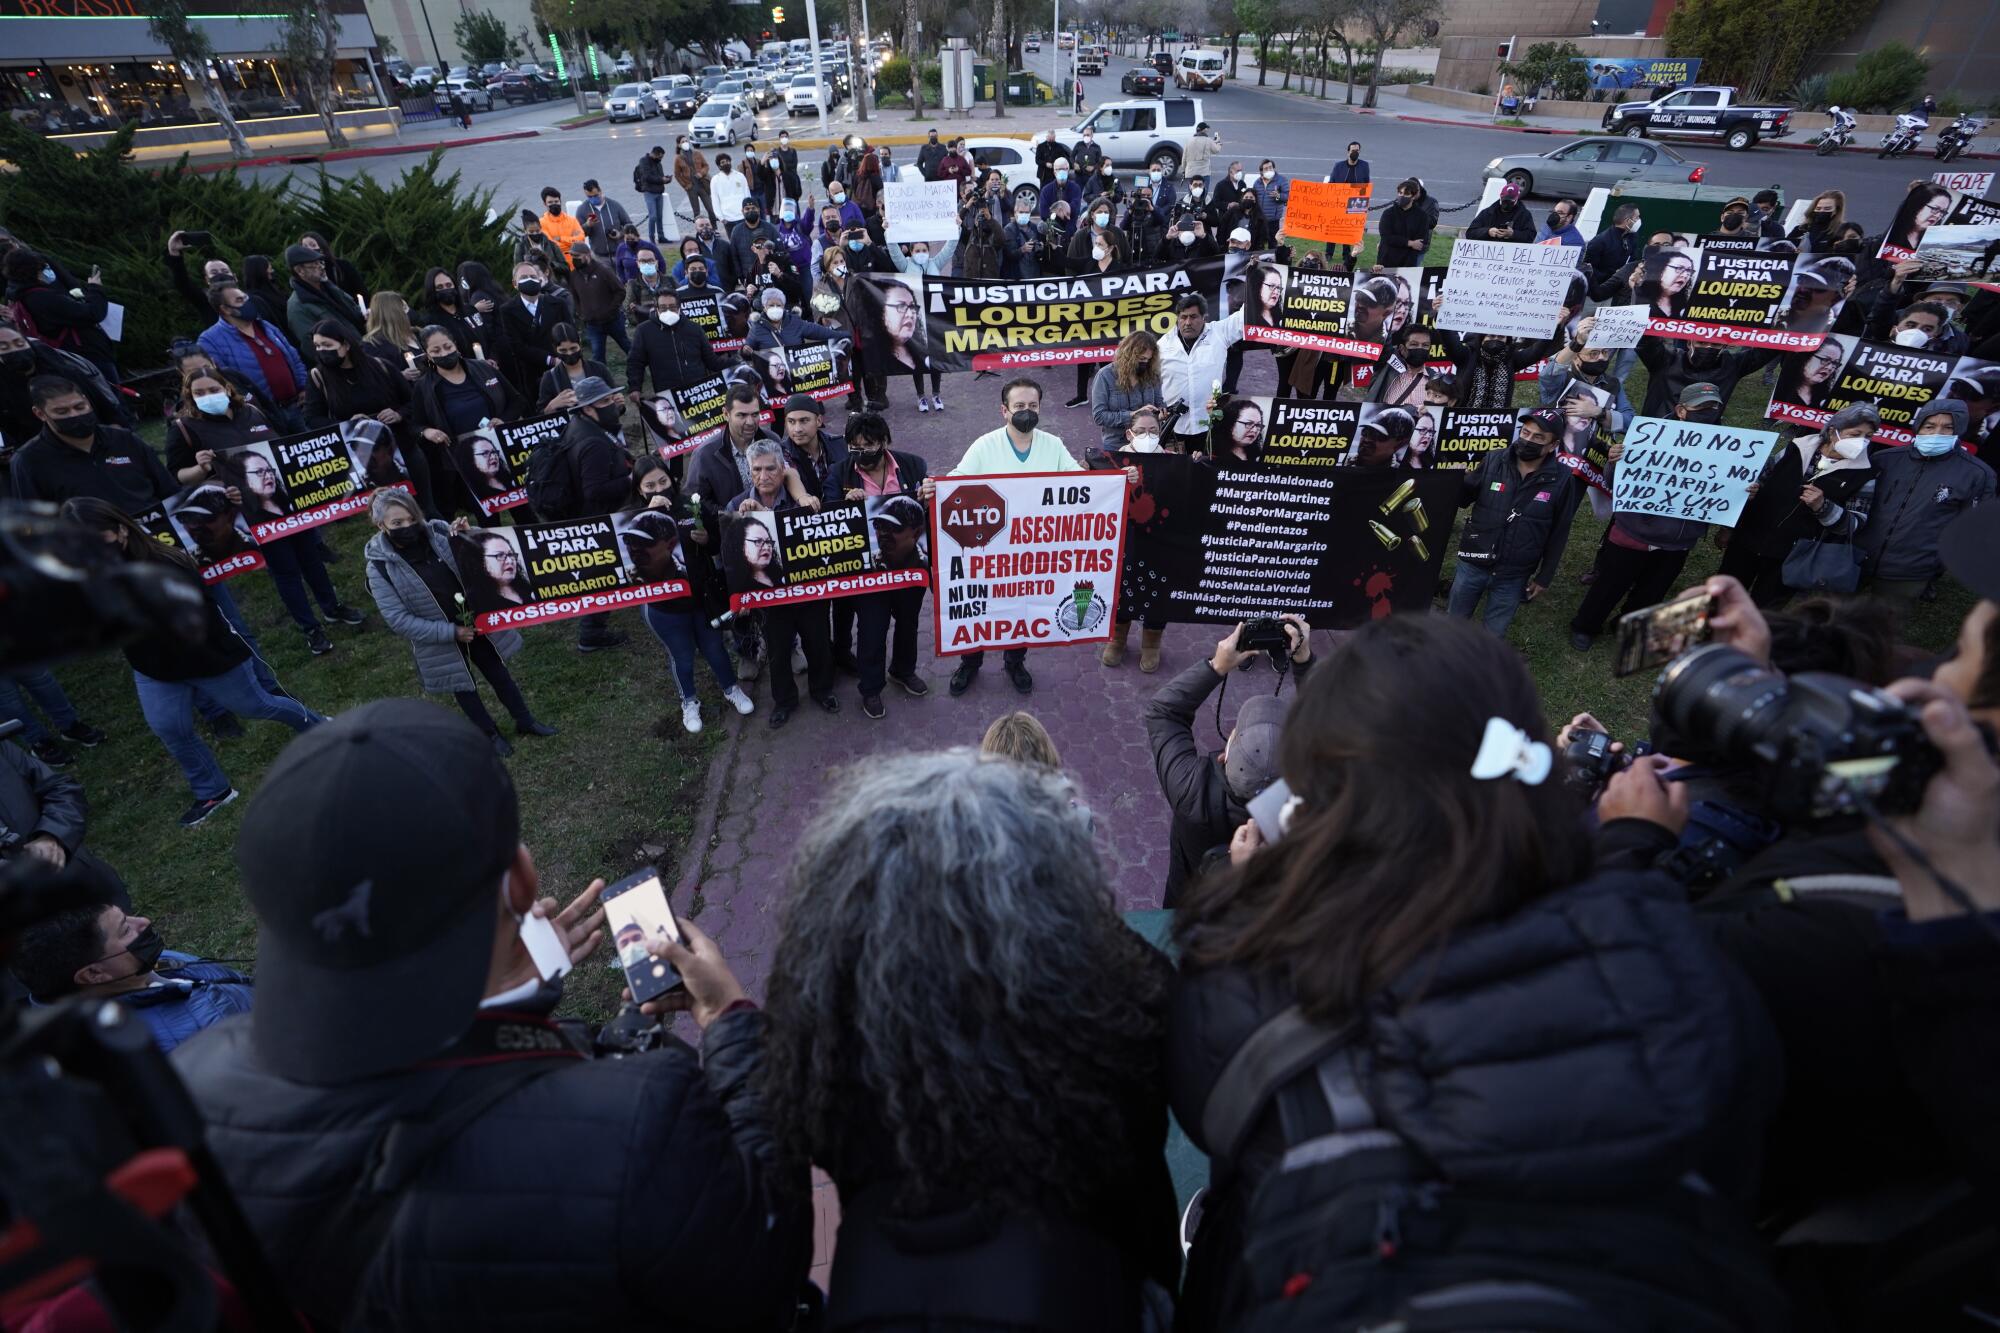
point(728, 188)
point(1193, 364)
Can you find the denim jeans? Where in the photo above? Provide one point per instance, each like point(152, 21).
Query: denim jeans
point(225, 603)
point(296, 564)
point(615, 327)
point(169, 709)
point(48, 696)
point(683, 634)
point(1503, 594)
point(656, 222)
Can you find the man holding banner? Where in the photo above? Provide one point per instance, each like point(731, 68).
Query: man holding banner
point(1523, 501)
point(756, 546)
point(600, 472)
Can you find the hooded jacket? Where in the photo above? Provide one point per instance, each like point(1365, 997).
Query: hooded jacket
point(1775, 518)
point(1591, 1051)
point(412, 612)
point(1915, 498)
point(1514, 216)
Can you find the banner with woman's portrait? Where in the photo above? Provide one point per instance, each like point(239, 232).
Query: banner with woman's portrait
point(1898, 380)
point(557, 571)
point(295, 482)
point(1925, 206)
point(1313, 309)
point(203, 521)
point(819, 370)
point(1735, 297)
point(777, 557)
point(998, 324)
point(680, 421)
point(493, 460)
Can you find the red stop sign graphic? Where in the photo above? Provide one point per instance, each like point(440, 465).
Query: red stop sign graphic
point(973, 515)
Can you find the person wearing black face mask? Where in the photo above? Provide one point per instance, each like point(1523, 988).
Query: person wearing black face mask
point(1523, 501)
point(1642, 554)
point(100, 950)
point(447, 306)
point(526, 322)
point(449, 399)
point(1673, 363)
point(871, 470)
point(1485, 365)
point(1577, 362)
point(600, 471)
point(76, 454)
point(22, 359)
point(414, 580)
point(755, 223)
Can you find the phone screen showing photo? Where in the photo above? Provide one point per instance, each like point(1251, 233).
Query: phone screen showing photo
point(1657, 634)
point(636, 913)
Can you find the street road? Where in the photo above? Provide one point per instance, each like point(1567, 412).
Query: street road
point(1302, 135)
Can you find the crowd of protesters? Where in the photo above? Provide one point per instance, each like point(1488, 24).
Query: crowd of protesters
point(1471, 1033)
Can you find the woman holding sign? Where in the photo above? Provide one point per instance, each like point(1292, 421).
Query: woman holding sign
point(918, 260)
point(415, 584)
point(346, 384)
point(682, 624)
point(213, 418)
point(452, 398)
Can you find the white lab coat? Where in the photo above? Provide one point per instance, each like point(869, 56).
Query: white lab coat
point(1189, 374)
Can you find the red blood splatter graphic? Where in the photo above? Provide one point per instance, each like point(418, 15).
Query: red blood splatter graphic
point(1377, 587)
point(1143, 508)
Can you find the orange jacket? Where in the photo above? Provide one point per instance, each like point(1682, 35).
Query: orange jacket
point(565, 231)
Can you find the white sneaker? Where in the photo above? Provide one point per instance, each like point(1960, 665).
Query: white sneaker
point(738, 700)
point(923, 404)
point(937, 403)
point(691, 714)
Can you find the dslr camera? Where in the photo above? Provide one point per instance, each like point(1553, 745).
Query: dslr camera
point(1818, 746)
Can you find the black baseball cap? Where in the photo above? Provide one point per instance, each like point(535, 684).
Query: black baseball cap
point(372, 855)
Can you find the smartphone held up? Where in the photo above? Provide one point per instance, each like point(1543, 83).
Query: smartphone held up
point(636, 913)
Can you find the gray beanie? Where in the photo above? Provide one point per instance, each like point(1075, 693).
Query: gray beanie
point(1253, 745)
point(1854, 414)
point(1952, 407)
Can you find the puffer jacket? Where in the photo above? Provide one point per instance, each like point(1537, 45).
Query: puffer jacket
point(411, 610)
point(616, 1193)
point(1592, 1051)
point(191, 995)
point(1915, 499)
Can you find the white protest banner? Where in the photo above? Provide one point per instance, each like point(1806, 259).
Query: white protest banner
point(1618, 326)
point(919, 210)
point(113, 322)
point(1501, 287)
point(1974, 184)
point(1027, 560)
point(1684, 469)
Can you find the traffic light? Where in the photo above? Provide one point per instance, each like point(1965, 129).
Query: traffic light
point(777, 13)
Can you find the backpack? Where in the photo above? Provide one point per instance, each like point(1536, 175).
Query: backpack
point(552, 479)
point(1352, 1229)
point(18, 316)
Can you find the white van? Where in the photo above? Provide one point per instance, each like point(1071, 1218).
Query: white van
point(801, 46)
point(1199, 69)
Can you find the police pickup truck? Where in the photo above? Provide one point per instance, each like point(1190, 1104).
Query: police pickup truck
point(1709, 114)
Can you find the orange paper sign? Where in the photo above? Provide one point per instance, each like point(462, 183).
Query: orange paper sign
point(1318, 211)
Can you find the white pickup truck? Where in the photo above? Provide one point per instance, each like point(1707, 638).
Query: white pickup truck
point(1144, 132)
point(1709, 114)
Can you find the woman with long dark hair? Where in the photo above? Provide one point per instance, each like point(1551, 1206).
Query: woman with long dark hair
point(1504, 1050)
point(170, 669)
point(444, 304)
point(451, 398)
point(683, 625)
point(557, 391)
point(267, 296)
point(214, 417)
point(1926, 205)
point(971, 1125)
point(346, 384)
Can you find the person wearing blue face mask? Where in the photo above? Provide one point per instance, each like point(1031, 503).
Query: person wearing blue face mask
point(1062, 188)
point(1918, 491)
point(66, 311)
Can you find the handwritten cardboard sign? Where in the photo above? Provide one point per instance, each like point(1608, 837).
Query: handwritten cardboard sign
point(1499, 287)
point(1684, 469)
point(1336, 212)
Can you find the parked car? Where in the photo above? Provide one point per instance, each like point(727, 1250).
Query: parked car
point(723, 120)
point(475, 97)
point(1142, 82)
point(1581, 165)
point(624, 65)
point(492, 70)
point(1014, 159)
point(514, 86)
point(423, 74)
point(802, 99)
point(1712, 114)
point(1145, 133)
point(630, 101)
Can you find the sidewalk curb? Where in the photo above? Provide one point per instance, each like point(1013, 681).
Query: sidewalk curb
point(343, 154)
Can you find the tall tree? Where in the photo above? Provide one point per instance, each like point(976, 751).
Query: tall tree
point(310, 40)
point(999, 50)
point(171, 27)
point(1387, 22)
point(483, 38)
point(913, 44)
point(857, 61)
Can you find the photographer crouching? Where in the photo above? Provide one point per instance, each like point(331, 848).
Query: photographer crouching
point(1869, 923)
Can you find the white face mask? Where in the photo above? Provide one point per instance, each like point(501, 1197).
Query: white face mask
point(214, 404)
point(1911, 337)
point(1098, 252)
point(836, 195)
point(1155, 176)
point(775, 313)
point(1850, 447)
point(1187, 238)
point(1267, 174)
point(839, 270)
point(1101, 219)
point(1144, 444)
point(670, 317)
point(1195, 190)
point(1236, 175)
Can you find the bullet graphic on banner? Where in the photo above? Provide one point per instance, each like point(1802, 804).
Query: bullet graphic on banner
point(1417, 545)
point(1415, 509)
point(1390, 541)
point(1397, 496)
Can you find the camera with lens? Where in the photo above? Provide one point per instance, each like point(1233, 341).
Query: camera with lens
point(628, 1033)
point(1265, 634)
point(1818, 746)
point(1589, 762)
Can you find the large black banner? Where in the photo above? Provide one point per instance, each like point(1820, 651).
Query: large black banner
point(777, 557)
point(960, 324)
point(493, 460)
point(1340, 546)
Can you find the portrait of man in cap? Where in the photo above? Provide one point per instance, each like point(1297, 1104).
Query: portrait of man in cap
point(900, 530)
point(209, 524)
point(651, 540)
